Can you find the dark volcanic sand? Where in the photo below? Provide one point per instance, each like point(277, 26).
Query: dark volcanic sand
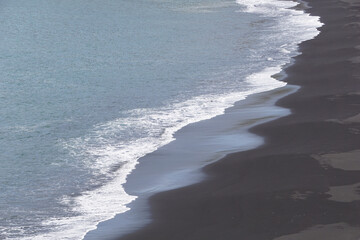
point(304, 183)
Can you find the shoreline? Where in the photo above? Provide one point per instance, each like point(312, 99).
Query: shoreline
point(270, 80)
point(168, 160)
point(294, 186)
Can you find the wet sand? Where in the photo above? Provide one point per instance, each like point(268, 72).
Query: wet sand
point(304, 182)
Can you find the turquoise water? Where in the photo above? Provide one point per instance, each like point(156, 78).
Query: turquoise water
point(88, 87)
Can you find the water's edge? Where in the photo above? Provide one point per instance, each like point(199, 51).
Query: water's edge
point(146, 180)
point(157, 173)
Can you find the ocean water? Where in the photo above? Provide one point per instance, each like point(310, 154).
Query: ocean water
point(88, 87)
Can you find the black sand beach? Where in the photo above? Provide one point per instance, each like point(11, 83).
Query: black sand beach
point(304, 182)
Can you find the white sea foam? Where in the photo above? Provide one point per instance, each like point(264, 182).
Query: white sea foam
point(158, 125)
point(269, 7)
point(107, 154)
point(298, 25)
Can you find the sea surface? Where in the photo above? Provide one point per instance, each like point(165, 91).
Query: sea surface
point(88, 87)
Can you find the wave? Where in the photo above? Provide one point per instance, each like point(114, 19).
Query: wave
point(102, 151)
